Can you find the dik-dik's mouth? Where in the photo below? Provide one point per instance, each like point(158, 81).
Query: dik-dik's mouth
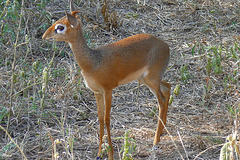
point(48, 35)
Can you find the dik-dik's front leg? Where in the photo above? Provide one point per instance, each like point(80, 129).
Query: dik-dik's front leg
point(101, 110)
point(108, 101)
point(104, 108)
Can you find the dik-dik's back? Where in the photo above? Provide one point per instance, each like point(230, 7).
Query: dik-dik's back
point(134, 56)
point(142, 47)
point(141, 57)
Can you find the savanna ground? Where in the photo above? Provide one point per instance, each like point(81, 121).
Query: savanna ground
point(45, 108)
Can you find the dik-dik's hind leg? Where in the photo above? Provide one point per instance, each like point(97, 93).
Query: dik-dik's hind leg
point(161, 90)
point(163, 99)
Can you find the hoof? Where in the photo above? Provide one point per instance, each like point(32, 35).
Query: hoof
point(98, 158)
point(155, 148)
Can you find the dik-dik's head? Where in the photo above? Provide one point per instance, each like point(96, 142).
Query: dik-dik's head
point(66, 28)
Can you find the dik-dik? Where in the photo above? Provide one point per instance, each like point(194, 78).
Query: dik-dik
point(141, 57)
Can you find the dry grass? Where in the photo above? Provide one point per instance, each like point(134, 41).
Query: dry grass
point(205, 61)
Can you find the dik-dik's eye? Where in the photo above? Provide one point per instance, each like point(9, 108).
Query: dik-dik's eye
point(60, 28)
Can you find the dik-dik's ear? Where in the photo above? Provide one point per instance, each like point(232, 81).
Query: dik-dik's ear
point(72, 7)
point(72, 20)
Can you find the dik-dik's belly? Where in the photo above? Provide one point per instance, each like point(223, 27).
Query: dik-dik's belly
point(134, 75)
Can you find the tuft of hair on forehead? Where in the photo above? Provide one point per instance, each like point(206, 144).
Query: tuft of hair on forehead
point(74, 13)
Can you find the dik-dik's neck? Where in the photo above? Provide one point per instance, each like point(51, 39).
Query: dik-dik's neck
point(81, 51)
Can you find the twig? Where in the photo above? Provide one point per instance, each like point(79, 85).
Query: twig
point(5, 8)
point(182, 144)
point(14, 63)
point(207, 150)
point(170, 137)
point(13, 141)
point(26, 88)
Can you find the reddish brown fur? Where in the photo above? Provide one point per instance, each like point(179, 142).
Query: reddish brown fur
point(141, 57)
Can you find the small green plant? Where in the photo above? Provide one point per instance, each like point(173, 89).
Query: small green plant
point(231, 149)
point(152, 113)
point(220, 64)
point(129, 146)
point(105, 148)
point(234, 51)
point(214, 60)
point(170, 100)
point(9, 13)
point(199, 48)
point(176, 89)
point(58, 72)
point(207, 88)
point(175, 93)
point(232, 111)
point(185, 75)
point(44, 85)
point(3, 113)
point(131, 14)
point(68, 146)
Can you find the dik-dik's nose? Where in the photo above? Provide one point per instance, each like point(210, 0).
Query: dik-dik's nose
point(48, 34)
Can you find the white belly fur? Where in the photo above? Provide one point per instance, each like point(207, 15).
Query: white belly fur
point(134, 76)
point(91, 84)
